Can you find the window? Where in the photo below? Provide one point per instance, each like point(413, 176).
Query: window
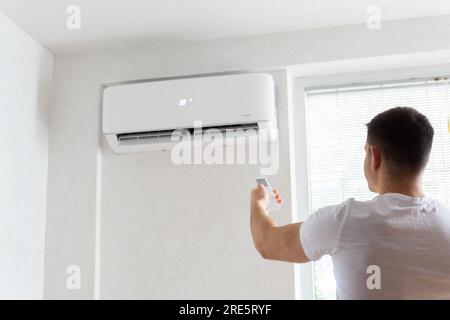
point(336, 133)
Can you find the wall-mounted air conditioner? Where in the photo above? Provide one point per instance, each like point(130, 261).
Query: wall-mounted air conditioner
point(143, 116)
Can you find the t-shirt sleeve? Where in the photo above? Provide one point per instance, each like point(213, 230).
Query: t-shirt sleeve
point(319, 234)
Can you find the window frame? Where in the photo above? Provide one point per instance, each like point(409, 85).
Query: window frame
point(304, 282)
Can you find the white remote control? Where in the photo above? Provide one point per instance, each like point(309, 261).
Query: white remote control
point(273, 205)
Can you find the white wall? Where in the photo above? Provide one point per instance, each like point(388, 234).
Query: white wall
point(158, 239)
point(25, 79)
point(132, 193)
point(182, 231)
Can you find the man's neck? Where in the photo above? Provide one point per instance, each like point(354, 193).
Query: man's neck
point(408, 186)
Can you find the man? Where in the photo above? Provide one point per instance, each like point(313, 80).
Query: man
point(395, 246)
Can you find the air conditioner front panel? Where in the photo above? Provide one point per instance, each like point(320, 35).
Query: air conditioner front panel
point(179, 103)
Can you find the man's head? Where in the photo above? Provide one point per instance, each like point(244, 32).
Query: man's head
point(398, 145)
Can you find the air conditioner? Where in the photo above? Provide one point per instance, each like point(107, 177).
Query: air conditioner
point(144, 116)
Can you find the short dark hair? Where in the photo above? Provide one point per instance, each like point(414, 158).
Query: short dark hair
point(404, 136)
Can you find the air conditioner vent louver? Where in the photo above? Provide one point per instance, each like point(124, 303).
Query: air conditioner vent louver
point(165, 135)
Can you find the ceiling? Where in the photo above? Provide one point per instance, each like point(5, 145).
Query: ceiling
point(119, 21)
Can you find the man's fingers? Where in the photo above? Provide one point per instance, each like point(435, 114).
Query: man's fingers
point(258, 186)
point(259, 191)
point(277, 196)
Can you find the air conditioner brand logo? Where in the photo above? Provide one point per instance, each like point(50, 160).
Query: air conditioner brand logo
point(183, 102)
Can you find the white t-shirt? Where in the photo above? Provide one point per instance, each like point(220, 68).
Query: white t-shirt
point(407, 238)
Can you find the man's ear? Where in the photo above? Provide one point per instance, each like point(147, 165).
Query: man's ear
point(376, 157)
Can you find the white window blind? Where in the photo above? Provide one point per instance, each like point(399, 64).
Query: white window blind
point(336, 133)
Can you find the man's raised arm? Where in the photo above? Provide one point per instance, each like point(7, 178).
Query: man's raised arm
point(272, 241)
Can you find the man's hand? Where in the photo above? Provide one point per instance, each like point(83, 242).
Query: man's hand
point(273, 242)
point(259, 199)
